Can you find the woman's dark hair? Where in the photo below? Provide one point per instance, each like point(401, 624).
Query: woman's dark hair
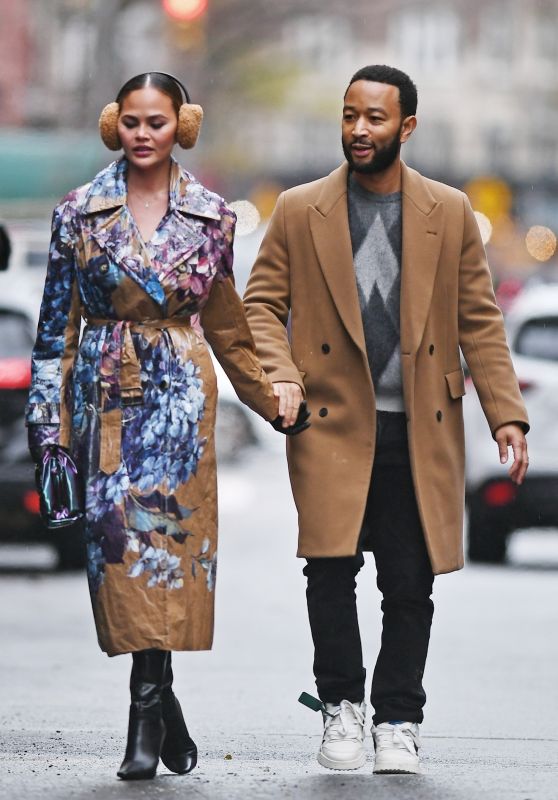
point(158, 80)
point(380, 73)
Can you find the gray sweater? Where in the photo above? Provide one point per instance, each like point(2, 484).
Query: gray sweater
point(375, 225)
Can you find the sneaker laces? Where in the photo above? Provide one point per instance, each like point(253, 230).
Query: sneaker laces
point(400, 734)
point(346, 722)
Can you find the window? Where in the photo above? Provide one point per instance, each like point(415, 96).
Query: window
point(538, 338)
point(16, 340)
point(545, 26)
point(497, 34)
point(320, 41)
point(429, 39)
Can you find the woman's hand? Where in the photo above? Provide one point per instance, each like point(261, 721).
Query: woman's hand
point(290, 398)
point(299, 425)
point(40, 438)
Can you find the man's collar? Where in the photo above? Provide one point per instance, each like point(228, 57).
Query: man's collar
point(413, 186)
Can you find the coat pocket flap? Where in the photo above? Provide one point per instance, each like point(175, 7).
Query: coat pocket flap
point(456, 383)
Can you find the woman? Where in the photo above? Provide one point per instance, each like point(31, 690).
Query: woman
point(144, 254)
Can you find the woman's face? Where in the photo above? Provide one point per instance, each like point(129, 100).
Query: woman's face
point(147, 127)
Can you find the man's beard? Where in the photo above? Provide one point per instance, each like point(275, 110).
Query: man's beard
point(382, 158)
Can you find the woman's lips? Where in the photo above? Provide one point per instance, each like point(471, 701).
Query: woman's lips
point(142, 151)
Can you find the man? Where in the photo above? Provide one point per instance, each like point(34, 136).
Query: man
point(383, 275)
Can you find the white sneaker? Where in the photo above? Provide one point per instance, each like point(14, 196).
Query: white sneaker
point(396, 746)
point(343, 743)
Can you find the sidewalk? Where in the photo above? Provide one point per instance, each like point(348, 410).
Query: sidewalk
point(491, 679)
point(81, 764)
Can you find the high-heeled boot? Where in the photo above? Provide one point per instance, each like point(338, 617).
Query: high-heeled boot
point(146, 729)
point(179, 753)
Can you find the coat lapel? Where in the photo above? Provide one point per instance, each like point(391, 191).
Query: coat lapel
point(423, 218)
point(179, 240)
point(183, 234)
point(329, 225)
point(116, 235)
point(179, 237)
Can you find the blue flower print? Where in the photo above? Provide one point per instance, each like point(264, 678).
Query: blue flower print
point(163, 569)
point(161, 445)
point(95, 566)
point(209, 565)
point(105, 491)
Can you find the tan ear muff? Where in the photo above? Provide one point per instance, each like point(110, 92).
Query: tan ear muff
point(190, 118)
point(108, 126)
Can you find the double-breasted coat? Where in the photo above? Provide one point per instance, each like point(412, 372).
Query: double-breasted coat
point(135, 399)
point(304, 276)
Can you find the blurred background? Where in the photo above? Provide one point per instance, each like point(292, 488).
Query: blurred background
point(271, 77)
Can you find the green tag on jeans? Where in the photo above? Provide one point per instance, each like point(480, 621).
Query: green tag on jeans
point(313, 702)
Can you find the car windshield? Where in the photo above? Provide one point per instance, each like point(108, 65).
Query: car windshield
point(538, 338)
point(15, 337)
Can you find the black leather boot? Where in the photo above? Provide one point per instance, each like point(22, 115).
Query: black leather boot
point(179, 753)
point(146, 729)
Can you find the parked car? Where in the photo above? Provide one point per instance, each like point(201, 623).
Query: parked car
point(496, 506)
point(29, 242)
point(5, 248)
point(20, 296)
point(20, 520)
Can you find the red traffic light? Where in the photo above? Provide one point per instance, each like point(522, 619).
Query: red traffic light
point(185, 10)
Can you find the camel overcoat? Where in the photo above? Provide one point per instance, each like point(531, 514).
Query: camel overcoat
point(303, 309)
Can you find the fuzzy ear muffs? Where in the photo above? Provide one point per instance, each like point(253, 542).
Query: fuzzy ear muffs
point(108, 126)
point(190, 119)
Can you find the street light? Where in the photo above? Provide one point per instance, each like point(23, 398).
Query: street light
point(185, 10)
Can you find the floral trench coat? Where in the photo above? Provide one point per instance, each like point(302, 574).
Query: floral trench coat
point(135, 400)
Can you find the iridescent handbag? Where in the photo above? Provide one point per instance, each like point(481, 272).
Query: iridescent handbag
point(59, 487)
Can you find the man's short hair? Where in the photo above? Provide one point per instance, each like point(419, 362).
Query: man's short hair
point(380, 73)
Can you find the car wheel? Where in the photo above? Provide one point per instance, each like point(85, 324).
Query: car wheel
point(487, 540)
point(70, 545)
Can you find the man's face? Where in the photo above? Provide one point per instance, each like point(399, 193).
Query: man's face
point(372, 127)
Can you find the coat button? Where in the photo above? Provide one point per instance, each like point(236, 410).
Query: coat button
point(104, 267)
point(325, 348)
point(431, 349)
point(439, 416)
point(164, 384)
point(323, 412)
point(183, 268)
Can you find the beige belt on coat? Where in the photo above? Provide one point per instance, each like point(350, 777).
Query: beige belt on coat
point(121, 379)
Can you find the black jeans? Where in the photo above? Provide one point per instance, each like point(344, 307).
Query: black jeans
point(394, 533)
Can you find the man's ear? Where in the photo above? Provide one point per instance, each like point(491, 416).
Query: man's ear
point(407, 127)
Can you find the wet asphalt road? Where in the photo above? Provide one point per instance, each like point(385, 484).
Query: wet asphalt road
point(490, 729)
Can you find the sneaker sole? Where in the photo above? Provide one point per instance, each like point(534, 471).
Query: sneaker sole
point(397, 769)
point(329, 763)
point(388, 771)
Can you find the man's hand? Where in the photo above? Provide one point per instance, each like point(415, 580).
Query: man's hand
point(290, 398)
point(512, 435)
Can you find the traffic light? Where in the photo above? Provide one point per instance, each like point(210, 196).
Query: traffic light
point(185, 10)
point(186, 23)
